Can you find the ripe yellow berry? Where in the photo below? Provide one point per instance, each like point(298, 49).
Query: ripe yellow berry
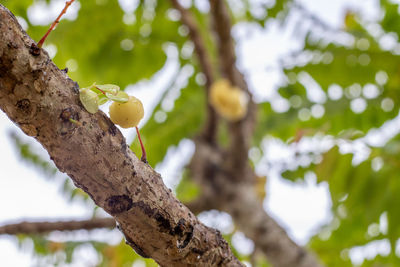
point(230, 102)
point(127, 114)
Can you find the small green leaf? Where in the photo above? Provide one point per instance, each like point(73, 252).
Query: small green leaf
point(89, 99)
point(108, 88)
point(121, 97)
point(102, 99)
point(187, 190)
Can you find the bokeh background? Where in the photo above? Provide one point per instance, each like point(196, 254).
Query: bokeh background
point(326, 76)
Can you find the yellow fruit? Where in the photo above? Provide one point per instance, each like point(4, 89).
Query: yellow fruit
point(230, 102)
point(127, 114)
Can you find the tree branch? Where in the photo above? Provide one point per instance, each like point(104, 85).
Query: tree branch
point(200, 204)
point(199, 45)
point(210, 129)
point(228, 177)
point(267, 235)
point(241, 132)
point(239, 199)
point(28, 228)
point(41, 100)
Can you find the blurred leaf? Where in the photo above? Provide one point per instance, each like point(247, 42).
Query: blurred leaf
point(187, 190)
point(260, 187)
point(26, 153)
point(280, 7)
point(391, 19)
point(102, 48)
point(360, 195)
point(121, 255)
point(352, 80)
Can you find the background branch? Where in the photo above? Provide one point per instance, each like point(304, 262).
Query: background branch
point(241, 132)
point(27, 227)
point(240, 201)
point(210, 129)
point(226, 177)
point(198, 42)
point(201, 203)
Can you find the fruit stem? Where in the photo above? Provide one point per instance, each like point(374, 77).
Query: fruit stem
point(67, 4)
point(101, 91)
point(144, 156)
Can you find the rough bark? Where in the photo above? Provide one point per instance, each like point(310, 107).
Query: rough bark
point(41, 100)
point(28, 228)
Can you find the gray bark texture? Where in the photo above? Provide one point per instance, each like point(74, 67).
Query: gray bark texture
point(41, 100)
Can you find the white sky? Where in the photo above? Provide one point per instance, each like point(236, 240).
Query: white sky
point(300, 208)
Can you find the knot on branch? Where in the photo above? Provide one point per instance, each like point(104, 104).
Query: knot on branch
point(118, 204)
point(24, 105)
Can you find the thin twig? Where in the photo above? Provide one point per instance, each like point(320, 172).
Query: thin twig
point(67, 4)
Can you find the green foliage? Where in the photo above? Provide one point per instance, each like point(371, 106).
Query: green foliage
point(360, 196)
point(391, 19)
point(17, 7)
point(259, 12)
point(48, 252)
point(366, 193)
point(27, 154)
point(280, 7)
point(105, 49)
point(187, 190)
point(121, 255)
point(74, 193)
point(340, 73)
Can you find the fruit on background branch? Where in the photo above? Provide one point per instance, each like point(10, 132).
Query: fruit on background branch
point(229, 101)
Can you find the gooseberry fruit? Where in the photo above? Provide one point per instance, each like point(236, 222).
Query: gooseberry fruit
point(126, 111)
point(127, 114)
point(229, 101)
